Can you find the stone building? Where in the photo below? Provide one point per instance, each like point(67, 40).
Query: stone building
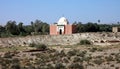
point(62, 27)
point(115, 29)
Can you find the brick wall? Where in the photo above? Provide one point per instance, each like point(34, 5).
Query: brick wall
point(74, 29)
point(68, 29)
point(53, 30)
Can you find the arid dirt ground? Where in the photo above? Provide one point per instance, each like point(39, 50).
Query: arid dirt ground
point(61, 57)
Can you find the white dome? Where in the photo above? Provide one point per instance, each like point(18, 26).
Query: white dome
point(63, 21)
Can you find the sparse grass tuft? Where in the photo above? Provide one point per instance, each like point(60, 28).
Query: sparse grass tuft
point(93, 49)
point(98, 61)
point(39, 46)
point(85, 42)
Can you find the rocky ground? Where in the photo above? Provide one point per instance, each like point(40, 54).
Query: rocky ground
point(61, 57)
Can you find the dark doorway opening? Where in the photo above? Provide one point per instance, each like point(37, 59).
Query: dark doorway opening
point(60, 32)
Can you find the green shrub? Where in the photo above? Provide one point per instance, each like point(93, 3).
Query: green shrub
point(71, 53)
point(85, 42)
point(62, 53)
point(75, 66)
point(41, 46)
point(98, 61)
point(112, 65)
point(93, 49)
point(32, 45)
point(100, 49)
point(116, 67)
point(77, 59)
point(118, 60)
point(65, 60)
point(15, 60)
point(117, 57)
point(15, 66)
point(8, 55)
point(109, 58)
point(49, 66)
point(59, 66)
point(38, 46)
point(81, 53)
point(87, 58)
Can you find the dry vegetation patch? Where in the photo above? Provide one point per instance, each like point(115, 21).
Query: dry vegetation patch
point(61, 57)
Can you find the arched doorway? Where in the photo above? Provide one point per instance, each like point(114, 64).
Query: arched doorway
point(60, 32)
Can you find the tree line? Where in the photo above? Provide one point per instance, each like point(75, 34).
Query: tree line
point(94, 27)
point(39, 27)
point(12, 29)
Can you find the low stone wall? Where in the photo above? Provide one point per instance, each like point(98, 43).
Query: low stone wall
point(96, 38)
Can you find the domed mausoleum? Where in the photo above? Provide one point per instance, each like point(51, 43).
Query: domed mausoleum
point(62, 27)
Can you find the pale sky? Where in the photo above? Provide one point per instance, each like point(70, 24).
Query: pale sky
point(108, 11)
